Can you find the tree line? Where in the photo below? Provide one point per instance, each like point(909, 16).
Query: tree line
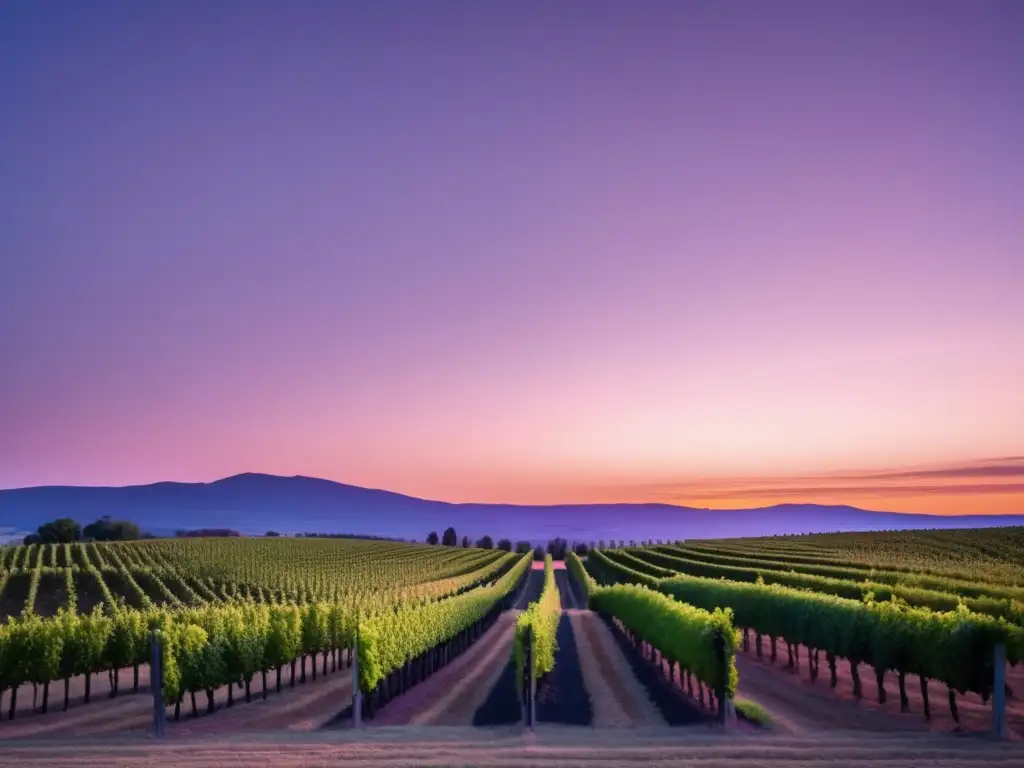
point(66, 530)
point(556, 547)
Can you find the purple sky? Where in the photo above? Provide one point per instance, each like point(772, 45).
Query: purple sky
point(512, 251)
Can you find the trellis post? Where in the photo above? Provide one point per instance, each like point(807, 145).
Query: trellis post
point(357, 697)
point(528, 683)
point(999, 692)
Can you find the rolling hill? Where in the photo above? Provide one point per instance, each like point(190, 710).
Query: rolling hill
point(254, 503)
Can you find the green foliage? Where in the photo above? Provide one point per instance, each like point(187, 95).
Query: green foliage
point(983, 555)
point(59, 531)
point(284, 642)
point(579, 573)
point(315, 628)
point(954, 647)
point(45, 644)
point(388, 640)
point(539, 623)
point(193, 660)
point(940, 594)
point(753, 711)
point(90, 641)
point(238, 605)
point(106, 529)
point(127, 643)
point(701, 642)
point(172, 681)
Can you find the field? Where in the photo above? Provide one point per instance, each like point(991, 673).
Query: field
point(703, 650)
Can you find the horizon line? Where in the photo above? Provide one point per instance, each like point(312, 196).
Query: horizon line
point(521, 505)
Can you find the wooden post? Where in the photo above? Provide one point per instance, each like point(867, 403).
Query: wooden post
point(357, 697)
point(999, 692)
point(722, 693)
point(529, 689)
point(156, 683)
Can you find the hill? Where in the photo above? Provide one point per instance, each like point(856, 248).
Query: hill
point(254, 503)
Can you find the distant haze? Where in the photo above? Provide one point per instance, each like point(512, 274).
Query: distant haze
point(701, 252)
point(254, 503)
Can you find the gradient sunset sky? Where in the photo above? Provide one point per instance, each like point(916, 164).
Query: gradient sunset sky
point(712, 253)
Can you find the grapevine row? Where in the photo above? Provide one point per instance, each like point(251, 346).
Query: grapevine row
point(1008, 608)
point(954, 647)
point(538, 625)
point(701, 642)
point(904, 579)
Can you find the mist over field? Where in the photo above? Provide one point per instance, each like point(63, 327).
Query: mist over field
point(255, 503)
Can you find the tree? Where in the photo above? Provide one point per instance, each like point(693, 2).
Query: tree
point(485, 542)
point(505, 545)
point(106, 529)
point(271, 534)
point(465, 542)
point(522, 547)
point(450, 539)
point(61, 531)
point(538, 553)
point(557, 548)
point(432, 537)
point(580, 549)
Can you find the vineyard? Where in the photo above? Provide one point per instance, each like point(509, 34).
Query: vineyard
point(264, 633)
point(936, 625)
point(231, 609)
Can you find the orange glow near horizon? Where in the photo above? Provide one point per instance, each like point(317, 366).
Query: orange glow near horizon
point(990, 487)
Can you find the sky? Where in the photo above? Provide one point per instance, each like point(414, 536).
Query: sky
point(712, 253)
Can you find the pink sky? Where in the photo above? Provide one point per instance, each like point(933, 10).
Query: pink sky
point(524, 253)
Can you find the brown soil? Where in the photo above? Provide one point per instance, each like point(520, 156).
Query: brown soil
point(452, 695)
point(88, 720)
point(408, 746)
point(27, 722)
point(617, 698)
point(308, 706)
point(52, 594)
point(120, 586)
point(87, 590)
point(13, 594)
point(816, 705)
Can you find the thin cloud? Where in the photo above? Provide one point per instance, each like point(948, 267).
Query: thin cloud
point(803, 492)
point(923, 481)
point(989, 470)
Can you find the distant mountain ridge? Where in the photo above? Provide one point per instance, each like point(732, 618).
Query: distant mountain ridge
point(253, 503)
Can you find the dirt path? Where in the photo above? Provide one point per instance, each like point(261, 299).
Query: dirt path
point(451, 695)
point(99, 699)
point(617, 698)
point(561, 695)
point(462, 699)
point(409, 746)
point(85, 720)
point(306, 707)
point(566, 593)
point(531, 589)
point(793, 711)
point(801, 705)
